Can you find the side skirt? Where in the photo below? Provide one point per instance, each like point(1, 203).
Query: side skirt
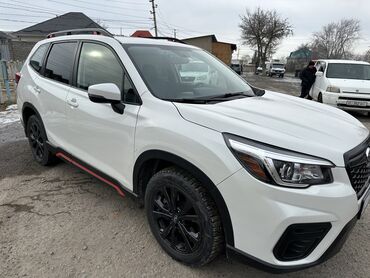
point(67, 157)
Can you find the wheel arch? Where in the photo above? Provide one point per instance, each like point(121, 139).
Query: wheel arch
point(150, 162)
point(27, 111)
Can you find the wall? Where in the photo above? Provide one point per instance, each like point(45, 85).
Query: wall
point(222, 51)
point(21, 49)
point(203, 42)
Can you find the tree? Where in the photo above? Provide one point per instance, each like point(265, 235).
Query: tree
point(367, 56)
point(336, 39)
point(264, 31)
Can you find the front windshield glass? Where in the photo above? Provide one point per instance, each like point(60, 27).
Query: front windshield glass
point(176, 72)
point(348, 71)
point(277, 65)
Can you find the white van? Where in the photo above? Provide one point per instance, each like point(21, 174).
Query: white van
point(343, 83)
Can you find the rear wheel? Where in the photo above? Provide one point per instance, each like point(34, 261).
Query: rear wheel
point(319, 98)
point(183, 217)
point(37, 139)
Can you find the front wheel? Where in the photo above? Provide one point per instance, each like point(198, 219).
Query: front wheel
point(183, 218)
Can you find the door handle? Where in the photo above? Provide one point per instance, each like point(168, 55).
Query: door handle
point(37, 89)
point(72, 102)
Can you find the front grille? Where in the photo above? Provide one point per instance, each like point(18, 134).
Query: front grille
point(358, 168)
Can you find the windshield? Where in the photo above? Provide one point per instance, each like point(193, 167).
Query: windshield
point(348, 71)
point(277, 65)
point(193, 67)
point(164, 69)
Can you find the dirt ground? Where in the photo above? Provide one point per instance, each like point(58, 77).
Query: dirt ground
point(60, 222)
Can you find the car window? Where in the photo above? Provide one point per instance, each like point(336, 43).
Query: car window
point(97, 65)
point(38, 57)
point(59, 64)
point(177, 72)
point(129, 94)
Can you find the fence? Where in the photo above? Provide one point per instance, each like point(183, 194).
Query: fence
point(8, 69)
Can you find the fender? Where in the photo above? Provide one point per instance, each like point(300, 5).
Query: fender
point(27, 105)
point(198, 174)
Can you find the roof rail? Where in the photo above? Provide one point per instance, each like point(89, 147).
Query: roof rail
point(167, 38)
point(85, 31)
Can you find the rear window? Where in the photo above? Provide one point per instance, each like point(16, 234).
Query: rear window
point(38, 57)
point(59, 64)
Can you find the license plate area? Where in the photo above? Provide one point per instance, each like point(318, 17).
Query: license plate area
point(356, 103)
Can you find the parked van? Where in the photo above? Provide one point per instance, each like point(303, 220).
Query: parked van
point(343, 83)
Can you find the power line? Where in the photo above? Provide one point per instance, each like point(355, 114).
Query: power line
point(93, 9)
point(24, 9)
point(109, 6)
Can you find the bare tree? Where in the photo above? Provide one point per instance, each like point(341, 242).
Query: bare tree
point(336, 39)
point(367, 56)
point(264, 31)
point(101, 23)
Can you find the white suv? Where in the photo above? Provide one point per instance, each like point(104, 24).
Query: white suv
point(218, 165)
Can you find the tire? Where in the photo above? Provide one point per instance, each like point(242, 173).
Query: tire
point(319, 98)
point(183, 218)
point(37, 139)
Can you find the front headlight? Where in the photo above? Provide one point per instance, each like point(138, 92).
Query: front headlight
point(279, 166)
point(333, 89)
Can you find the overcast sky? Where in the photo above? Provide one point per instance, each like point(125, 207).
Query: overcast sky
point(194, 17)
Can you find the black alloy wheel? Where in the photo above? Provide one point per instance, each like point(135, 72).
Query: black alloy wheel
point(183, 218)
point(178, 221)
point(38, 141)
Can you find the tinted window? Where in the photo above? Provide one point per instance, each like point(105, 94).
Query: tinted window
point(38, 57)
point(97, 65)
point(60, 62)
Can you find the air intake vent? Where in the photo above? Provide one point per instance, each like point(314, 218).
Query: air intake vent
point(299, 240)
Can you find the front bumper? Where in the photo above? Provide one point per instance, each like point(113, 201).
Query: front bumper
point(261, 213)
point(347, 101)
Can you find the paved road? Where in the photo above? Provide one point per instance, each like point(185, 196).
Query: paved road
point(60, 222)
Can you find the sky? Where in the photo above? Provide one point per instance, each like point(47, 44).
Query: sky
point(193, 18)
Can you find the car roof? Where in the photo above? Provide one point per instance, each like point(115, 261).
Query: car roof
point(337, 61)
point(123, 40)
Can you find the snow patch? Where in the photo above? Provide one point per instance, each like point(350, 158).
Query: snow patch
point(10, 115)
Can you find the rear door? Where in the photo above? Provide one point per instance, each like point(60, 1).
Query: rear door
point(53, 88)
point(97, 135)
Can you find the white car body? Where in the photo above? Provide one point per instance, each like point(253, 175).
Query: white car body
point(351, 94)
point(275, 68)
point(259, 213)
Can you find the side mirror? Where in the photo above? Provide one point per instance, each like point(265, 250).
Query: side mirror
point(319, 73)
point(104, 93)
point(107, 93)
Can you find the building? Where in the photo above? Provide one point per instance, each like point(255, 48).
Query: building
point(142, 34)
point(221, 50)
point(23, 40)
point(298, 59)
point(5, 46)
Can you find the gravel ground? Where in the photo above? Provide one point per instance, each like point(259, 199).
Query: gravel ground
point(60, 222)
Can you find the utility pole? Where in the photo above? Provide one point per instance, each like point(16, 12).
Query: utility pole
point(154, 6)
point(174, 33)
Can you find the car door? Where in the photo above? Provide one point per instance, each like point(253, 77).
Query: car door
point(52, 88)
point(318, 86)
point(98, 135)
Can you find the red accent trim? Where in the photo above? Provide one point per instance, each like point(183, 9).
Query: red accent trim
point(116, 187)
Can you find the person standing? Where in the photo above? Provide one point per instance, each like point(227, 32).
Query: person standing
point(308, 76)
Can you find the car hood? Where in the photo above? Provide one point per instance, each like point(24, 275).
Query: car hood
point(351, 85)
point(283, 121)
